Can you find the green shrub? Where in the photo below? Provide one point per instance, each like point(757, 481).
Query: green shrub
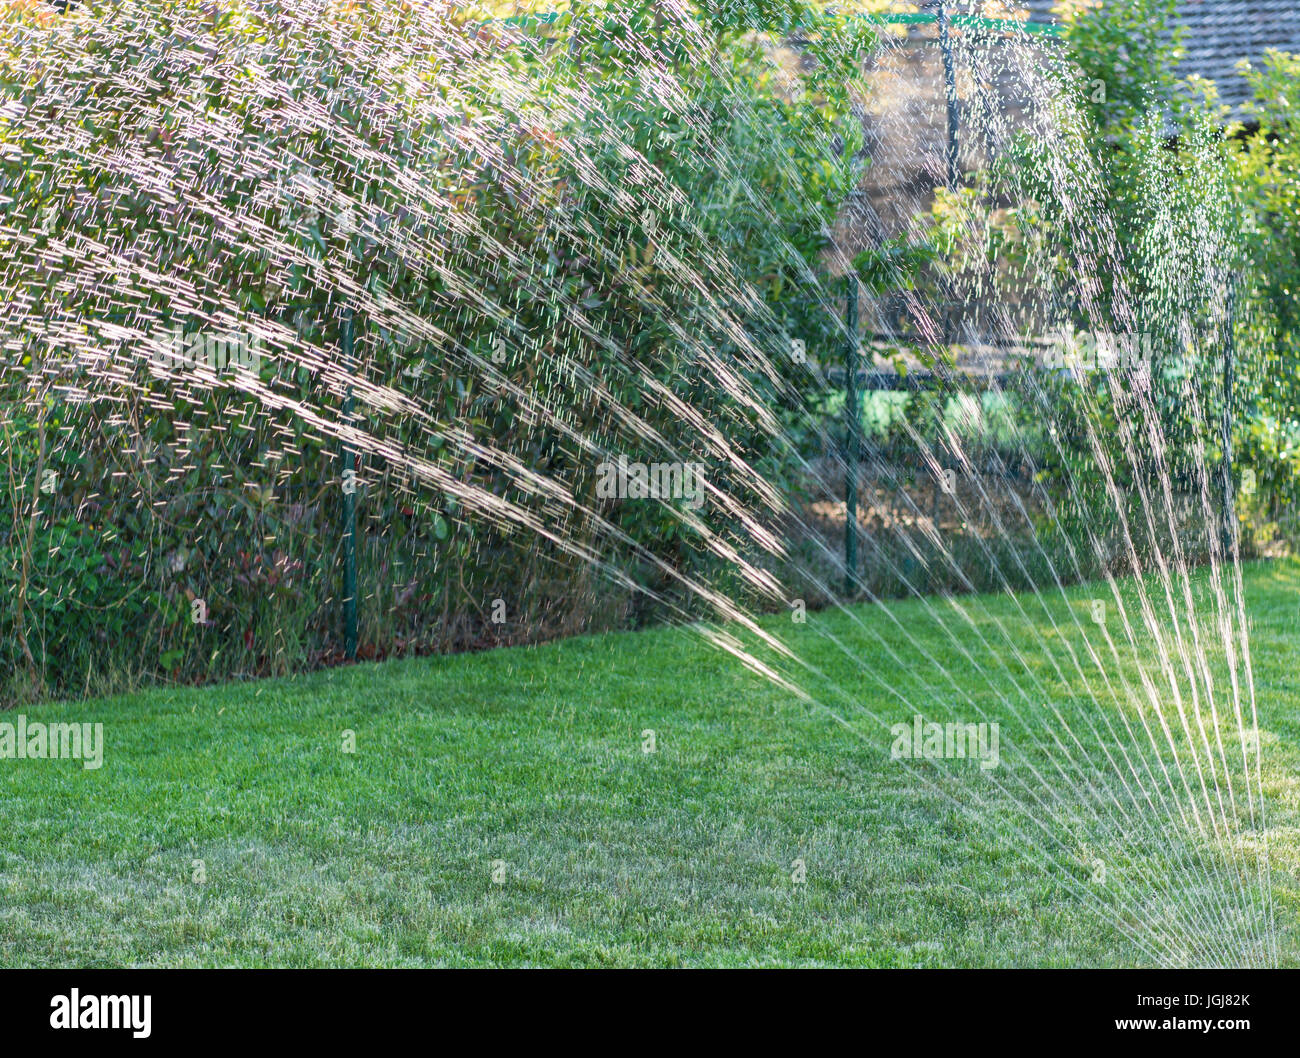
point(519, 314)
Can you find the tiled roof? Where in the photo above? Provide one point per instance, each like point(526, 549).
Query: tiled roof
point(1217, 35)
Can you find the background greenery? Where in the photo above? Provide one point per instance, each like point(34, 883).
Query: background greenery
point(102, 576)
point(99, 573)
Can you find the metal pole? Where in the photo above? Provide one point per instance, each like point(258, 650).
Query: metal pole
point(1228, 528)
point(950, 95)
point(852, 434)
point(349, 505)
point(950, 99)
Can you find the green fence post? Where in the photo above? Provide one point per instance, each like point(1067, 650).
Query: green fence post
point(950, 101)
point(349, 503)
point(950, 95)
point(852, 430)
point(1228, 528)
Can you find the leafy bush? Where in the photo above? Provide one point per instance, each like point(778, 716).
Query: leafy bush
point(517, 237)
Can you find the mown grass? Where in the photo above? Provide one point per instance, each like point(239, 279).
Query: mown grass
point(531, 759)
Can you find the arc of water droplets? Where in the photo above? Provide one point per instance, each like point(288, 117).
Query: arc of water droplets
point(1071, 794)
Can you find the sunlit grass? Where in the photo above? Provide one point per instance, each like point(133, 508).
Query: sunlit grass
point(532, 761)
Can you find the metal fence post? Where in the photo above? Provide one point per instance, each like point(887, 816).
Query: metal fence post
point(1228, 528)
point(852, 432)
point(348, 338)
point(950, 100)
point(950, 95)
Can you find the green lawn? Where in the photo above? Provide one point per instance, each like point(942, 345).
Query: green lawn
point(611, 856)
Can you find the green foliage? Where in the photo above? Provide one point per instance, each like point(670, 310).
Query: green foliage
point(586, 174)
point(1174, 265)
point(1268, 177)
point(1125, 47)
point(893, 265)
